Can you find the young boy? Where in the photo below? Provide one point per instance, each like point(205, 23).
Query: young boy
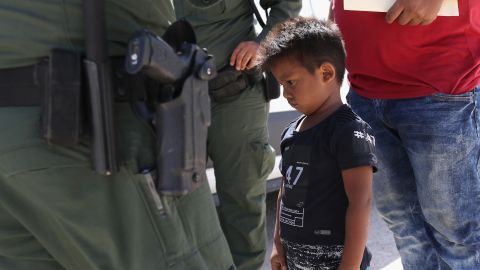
point(327, 154)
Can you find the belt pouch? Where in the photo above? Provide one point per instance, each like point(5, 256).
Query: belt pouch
point(272, 87)
point(62, 115)
point(228, 85)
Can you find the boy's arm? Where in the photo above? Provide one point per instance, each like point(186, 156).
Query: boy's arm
point(277, 258)
point(358, 186)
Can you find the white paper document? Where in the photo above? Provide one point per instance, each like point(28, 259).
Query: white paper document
point(449, 7)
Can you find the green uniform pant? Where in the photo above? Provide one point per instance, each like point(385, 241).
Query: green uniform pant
point(242, 158)
point(56, 213)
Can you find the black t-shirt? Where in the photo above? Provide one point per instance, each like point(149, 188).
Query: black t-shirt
point(314, 202)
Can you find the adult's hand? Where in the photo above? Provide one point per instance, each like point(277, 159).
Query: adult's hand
point(414, 12)
point(244, 55)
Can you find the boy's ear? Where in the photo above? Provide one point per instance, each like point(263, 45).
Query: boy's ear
point(327, 71)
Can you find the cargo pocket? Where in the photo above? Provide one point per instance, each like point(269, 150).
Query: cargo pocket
point(265, 157)
point(199, 216)
point(167, 221)
point(203, 230)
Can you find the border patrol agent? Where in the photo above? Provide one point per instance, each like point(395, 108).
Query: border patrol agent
point(238, 136)
point(55, 211)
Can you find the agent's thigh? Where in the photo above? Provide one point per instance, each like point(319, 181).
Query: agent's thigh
point(242, 159)
point(81, 220)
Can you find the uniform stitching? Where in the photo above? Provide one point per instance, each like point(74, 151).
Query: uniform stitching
point(66, 27)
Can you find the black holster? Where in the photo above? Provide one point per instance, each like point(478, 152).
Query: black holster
point(182, 126)
point(181, 111)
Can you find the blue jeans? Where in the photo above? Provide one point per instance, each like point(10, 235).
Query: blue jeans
point(428, 186)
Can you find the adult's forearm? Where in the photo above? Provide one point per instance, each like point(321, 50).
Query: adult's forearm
point(280, 10)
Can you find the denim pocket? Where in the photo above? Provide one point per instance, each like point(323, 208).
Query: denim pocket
point(465, 97)
point(457, 104)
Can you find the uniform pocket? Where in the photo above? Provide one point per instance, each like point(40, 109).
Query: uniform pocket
point(206, 7)
point(199, 217)
point(166, 221)
point(265, 155)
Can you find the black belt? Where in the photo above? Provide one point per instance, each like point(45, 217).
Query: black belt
point(25, 86)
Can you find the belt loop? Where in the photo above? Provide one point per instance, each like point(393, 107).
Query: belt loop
point(40, 73)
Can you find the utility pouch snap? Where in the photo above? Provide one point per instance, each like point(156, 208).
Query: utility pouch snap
point(227, 85)
point(61, 109)
point(272, 87)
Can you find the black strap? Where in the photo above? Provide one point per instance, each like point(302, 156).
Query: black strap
point(257, 13)
point(95, 30)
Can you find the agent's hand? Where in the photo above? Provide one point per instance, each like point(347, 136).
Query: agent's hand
point(244, 55)
point(277, 259)
point(414, 12)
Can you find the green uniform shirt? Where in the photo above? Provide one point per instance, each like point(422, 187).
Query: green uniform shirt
point(30, 28)
point(220, 25)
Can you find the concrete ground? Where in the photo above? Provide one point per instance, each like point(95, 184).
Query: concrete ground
point(380, 240)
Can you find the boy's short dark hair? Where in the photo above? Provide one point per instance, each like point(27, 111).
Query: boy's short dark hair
point(311, 41)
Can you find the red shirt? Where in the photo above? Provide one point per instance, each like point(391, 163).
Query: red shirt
point(390, 61)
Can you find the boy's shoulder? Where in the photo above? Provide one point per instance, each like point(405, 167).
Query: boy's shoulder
point(346, 117)
point(291, 126)
point(342, 118)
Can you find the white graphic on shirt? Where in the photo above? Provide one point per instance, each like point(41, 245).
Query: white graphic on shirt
point(364, 135)
point(369, 138)
point(449, 7)
point(288, 176)
point(292, 217)
point(358, 134)
point(307, 257)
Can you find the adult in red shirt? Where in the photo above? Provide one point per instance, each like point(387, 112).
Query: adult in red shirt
point(414, 78)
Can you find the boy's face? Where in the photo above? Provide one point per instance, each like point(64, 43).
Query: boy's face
point(305, 91)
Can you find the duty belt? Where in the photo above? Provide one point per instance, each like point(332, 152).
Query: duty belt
point(23, 86)
point(27, 86)
point(57, 85)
